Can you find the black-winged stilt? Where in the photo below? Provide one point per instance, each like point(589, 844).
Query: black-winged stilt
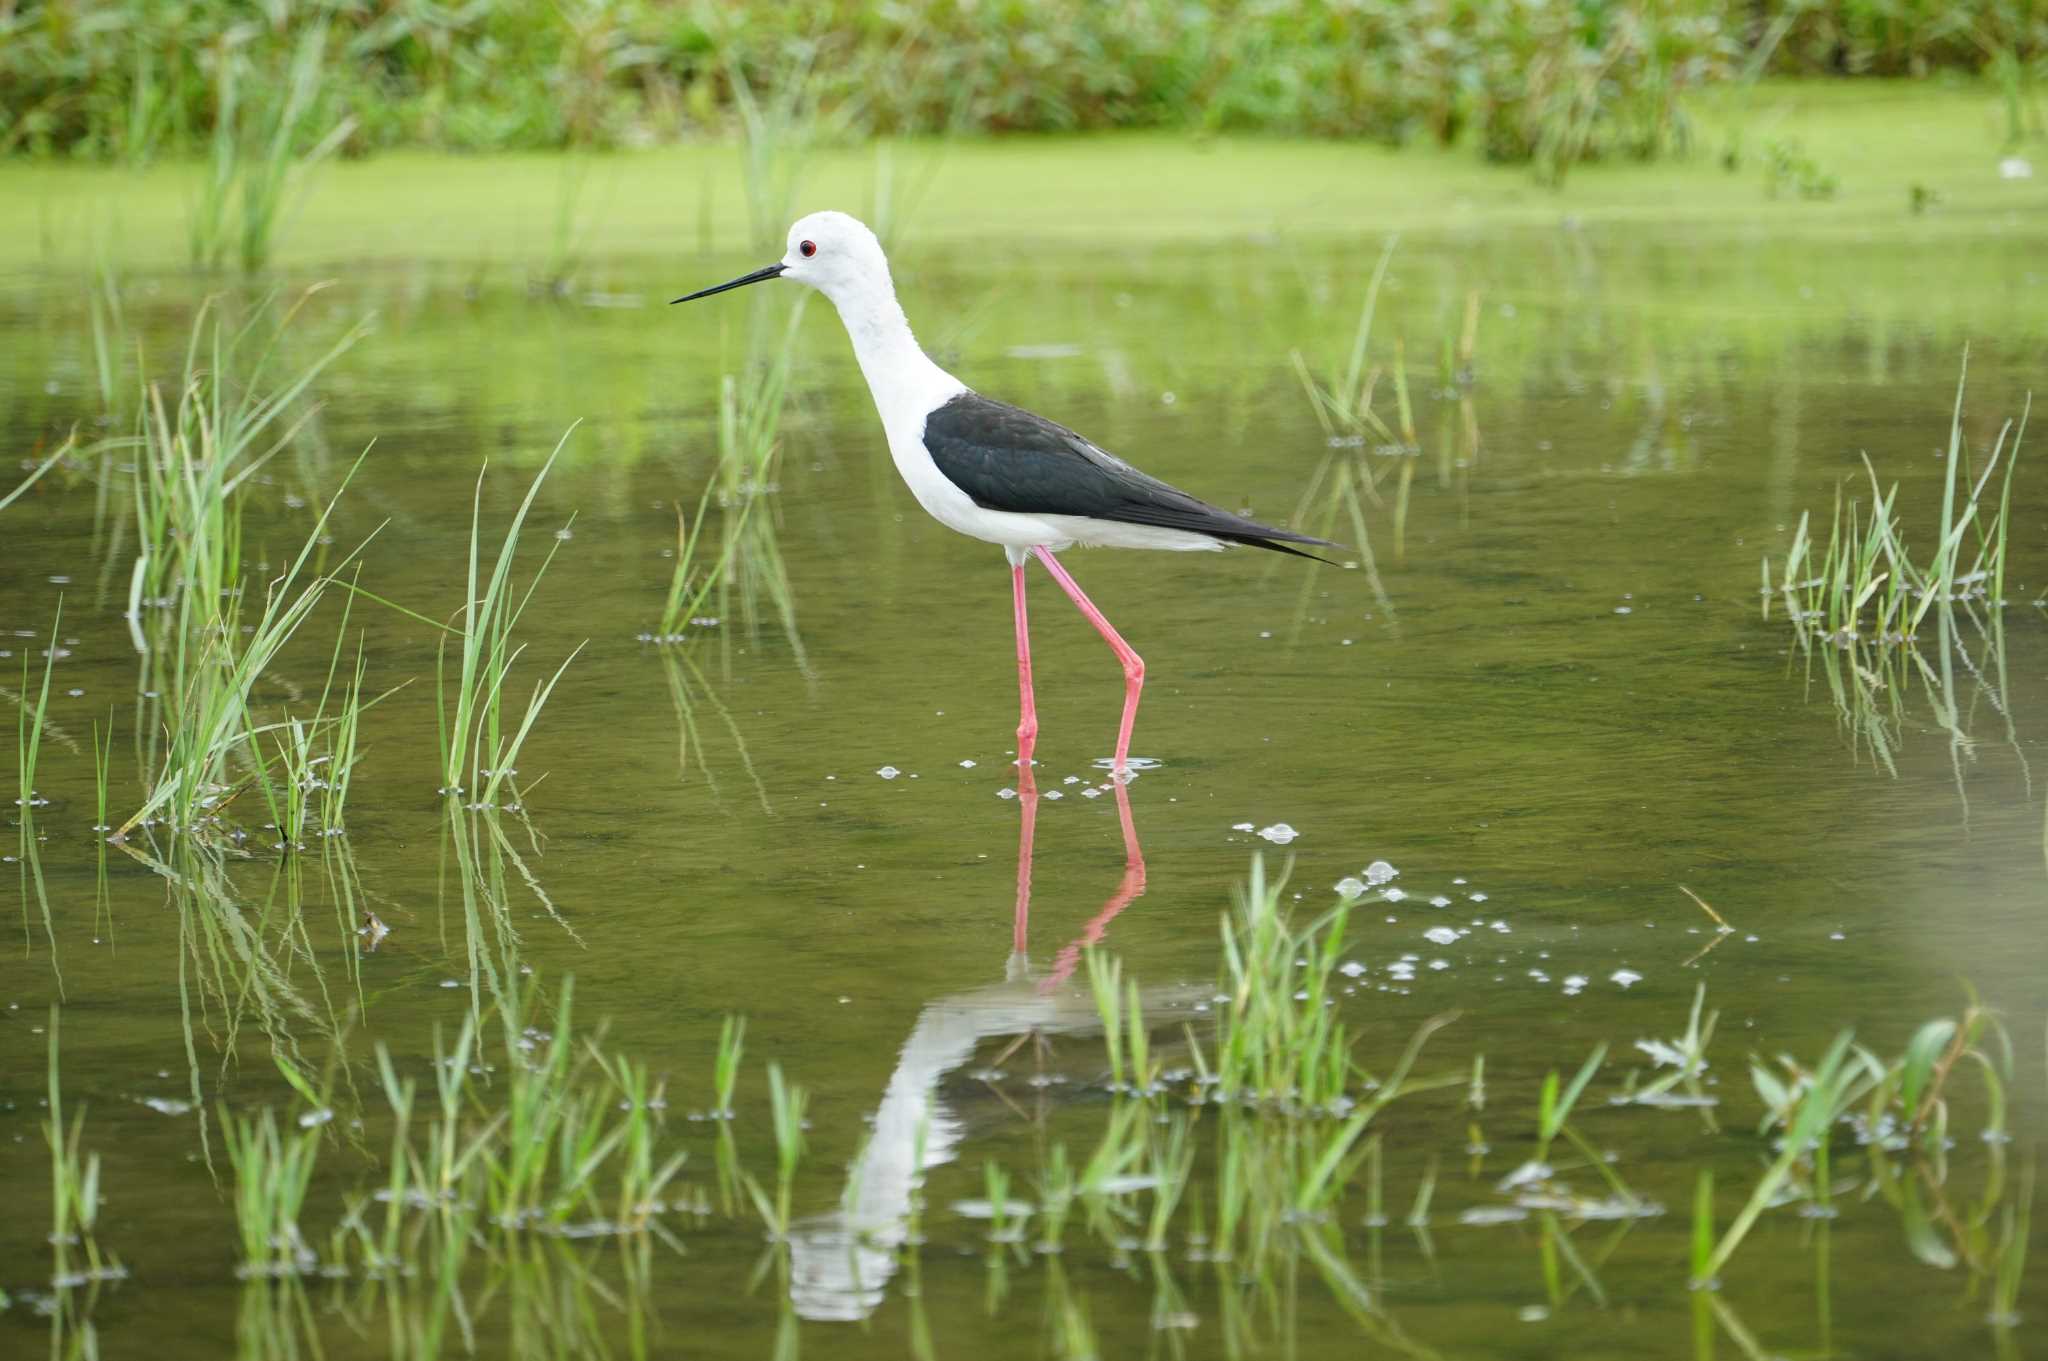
point(995, 472)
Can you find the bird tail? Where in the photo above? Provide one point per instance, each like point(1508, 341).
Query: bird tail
point(1278, 540)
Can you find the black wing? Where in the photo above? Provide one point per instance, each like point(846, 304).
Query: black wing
point(1005, 458)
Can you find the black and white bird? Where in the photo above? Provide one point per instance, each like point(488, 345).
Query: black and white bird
point(993, 471)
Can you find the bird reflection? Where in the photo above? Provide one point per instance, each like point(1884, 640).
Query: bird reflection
point(841, 1262)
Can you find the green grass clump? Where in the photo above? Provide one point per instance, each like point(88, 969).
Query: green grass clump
point(205, 649)
point(273, 1170)
point(481, 735)
point(1879, 615)
point(74, 1186)
point(1867, 587)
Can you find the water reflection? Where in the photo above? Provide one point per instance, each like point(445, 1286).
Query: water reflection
point(842, 1262)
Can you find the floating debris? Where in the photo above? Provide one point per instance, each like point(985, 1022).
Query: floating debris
point(1488, 1215)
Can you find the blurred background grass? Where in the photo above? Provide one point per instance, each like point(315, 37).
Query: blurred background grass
point(1551, 83)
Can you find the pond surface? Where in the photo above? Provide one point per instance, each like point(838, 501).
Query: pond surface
point(1547, 699)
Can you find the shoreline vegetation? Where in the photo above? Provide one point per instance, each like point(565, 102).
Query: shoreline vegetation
point(1540, 82)
point(1923, 156)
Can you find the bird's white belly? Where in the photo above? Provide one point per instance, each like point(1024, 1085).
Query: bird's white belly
point(956, 510)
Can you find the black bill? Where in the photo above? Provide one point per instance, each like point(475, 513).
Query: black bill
point(756, 277)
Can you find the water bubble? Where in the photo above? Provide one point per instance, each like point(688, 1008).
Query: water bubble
point(888, 772)
point(1379, 871)
point(1279, 833)
point(1441, 935)
point(1625, 978)
point(1350, 886)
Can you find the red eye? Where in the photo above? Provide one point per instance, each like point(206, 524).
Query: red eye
point(807, 249)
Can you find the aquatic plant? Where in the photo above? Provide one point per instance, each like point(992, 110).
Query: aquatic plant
point(273, 1169)
point(481, 737)
point(29, 720)
point(214, 671)
point(74, 1183)
point(786, 1103)
point(1861, 606)
point(1273, 1045)
point(1866, 586)
point(732, 1037)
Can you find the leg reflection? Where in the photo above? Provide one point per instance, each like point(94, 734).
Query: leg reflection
point(841, 1263)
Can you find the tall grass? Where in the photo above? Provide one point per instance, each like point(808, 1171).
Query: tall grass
point(261, 148)
point(29, 720)
point(481, 733)
point(211, 719)
point(189, 613)
point(747, 573)
point(1879, 615)
point(1866, 586)
point(74, 1183)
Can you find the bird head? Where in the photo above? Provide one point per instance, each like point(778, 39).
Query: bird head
point(831, 252)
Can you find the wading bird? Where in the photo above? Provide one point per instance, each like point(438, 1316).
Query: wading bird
point(993, 471)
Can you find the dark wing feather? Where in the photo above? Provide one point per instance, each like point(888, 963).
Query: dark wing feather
point(1005, 458)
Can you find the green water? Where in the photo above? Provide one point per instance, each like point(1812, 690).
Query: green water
point(1560, 696)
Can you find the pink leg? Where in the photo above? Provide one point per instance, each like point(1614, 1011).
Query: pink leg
point(1133, 664)
point(1027, 710)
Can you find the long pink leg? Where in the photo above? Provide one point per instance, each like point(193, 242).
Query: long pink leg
point(1027, 710)
point(1133, 664)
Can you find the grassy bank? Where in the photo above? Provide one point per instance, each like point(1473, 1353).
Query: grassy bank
point(1548, 81)
point(1896, 153)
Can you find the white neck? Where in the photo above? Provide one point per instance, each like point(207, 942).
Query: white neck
point(904, 381)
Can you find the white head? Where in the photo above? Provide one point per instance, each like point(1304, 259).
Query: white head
point(831, 252)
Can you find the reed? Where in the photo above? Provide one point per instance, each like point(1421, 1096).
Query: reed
point(211, 719)
point(1273, 1045)
point(204, 650)
point(1807, 1111)
point(732, 1037)
point(273, 1170)
point(481, 735)
point(748, 572)
point(786, 1103)
point(74, 1184)
point(1866, 588)
point(29, 720)
point(261, 150)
